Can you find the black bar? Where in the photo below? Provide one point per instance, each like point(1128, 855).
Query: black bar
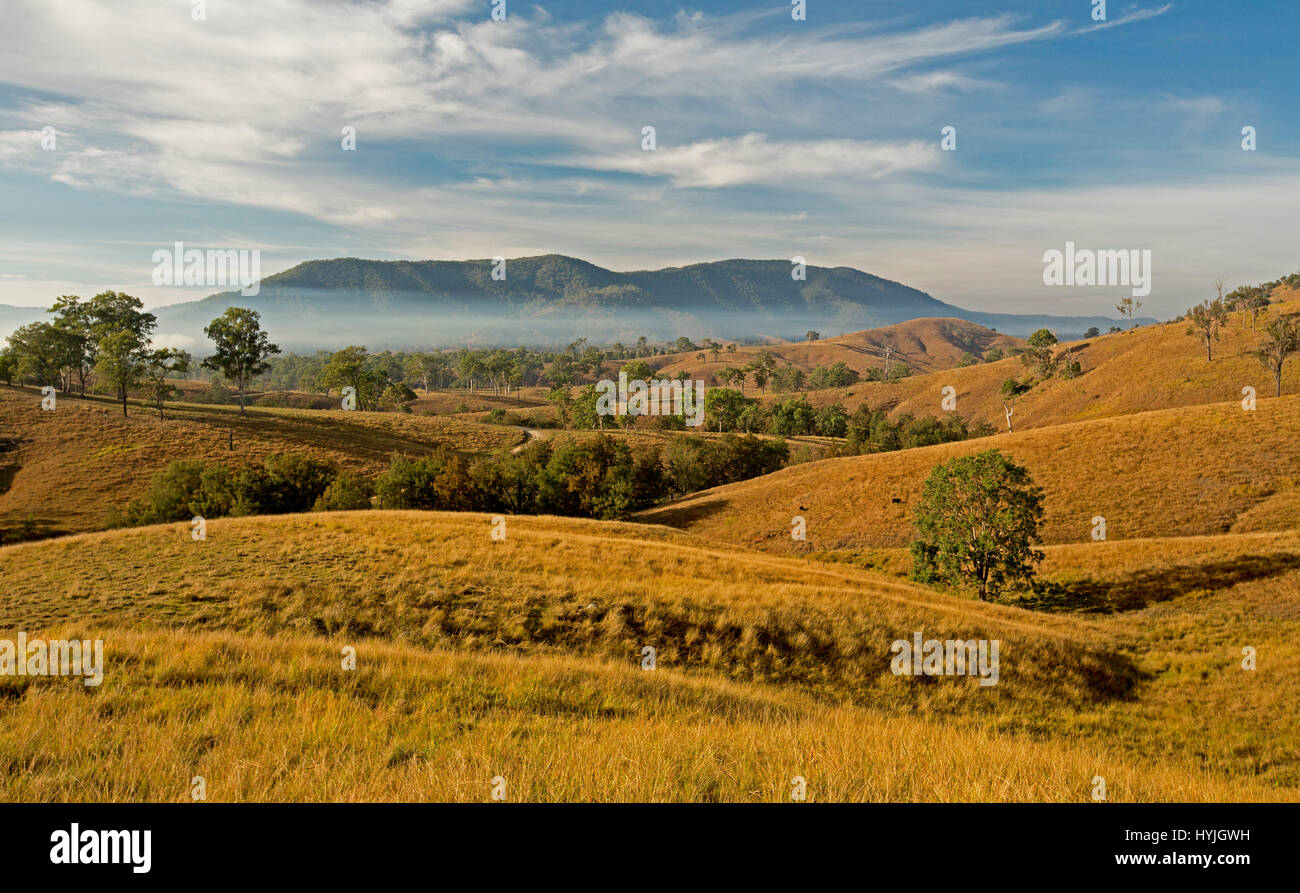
point(651, 844)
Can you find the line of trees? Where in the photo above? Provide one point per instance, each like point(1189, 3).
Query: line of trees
point(597, 477)
point(108, 340)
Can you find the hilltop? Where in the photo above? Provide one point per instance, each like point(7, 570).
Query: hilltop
point(551, 298)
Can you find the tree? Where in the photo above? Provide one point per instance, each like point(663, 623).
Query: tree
point(121, 362)
point(724, 406)
point(242, 348)
point(813, 335)
point(38, 351)
point(8, 365)
point(76, 321)
point(638, 370)
point(563, 400)
point(1127, 307)
point(1011, 389)
point(1257, 302)
point(351, 367)
point(1038, 354)
point(1205, 320)
point(1092, 332)
point(832, 421)
point(159, 365)
point(1283, 340)
point(886, 352)
point(976, 524)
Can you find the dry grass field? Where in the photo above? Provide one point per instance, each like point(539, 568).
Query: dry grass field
point(1173, 472)
point(1150, 368)
point(520, 658)
point(924, 345)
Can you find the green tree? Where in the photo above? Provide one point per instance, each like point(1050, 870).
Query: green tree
point(121, 362)
point(75, 320)
point(832, 421)
point(38, 350)
point(723, 406)
point(242, 348)
point(638, 369)
point(562, 399)
point(792, 418)
point(159, 366)
point(352, 366)
point(976, 524)
point(1038, 354)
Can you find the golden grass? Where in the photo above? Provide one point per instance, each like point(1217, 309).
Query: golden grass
point(265, 719)
point(554, 586)
point(520, 658)
point(1175, 472)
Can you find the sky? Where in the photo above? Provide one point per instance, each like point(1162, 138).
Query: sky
point(774, 138)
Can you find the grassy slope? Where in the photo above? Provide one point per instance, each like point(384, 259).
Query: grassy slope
point(1174, 472)
point(75, 463)
point(1156, 367)
point(223, 661)
point(923, 344)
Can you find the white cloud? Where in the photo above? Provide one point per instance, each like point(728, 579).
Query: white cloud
point(753, 159)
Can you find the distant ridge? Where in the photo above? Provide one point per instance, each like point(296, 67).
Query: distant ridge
point(553, 299)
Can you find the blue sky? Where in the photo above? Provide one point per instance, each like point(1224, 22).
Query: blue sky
point(775, 138)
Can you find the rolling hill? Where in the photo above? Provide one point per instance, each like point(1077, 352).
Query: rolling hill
point(520, 658)
point(1172, 472)
point(1149, 368)
point(924, 345)
point(62, 471)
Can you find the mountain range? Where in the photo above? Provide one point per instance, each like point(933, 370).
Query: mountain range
point(553, 299)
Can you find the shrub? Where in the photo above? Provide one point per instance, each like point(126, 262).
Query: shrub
point(347, 492)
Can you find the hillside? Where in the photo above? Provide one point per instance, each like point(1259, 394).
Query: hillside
point(551, 299)
point(923, 345)
point(65, 469)
point(1171, 472)
point(224, 657)
point(1150, 368)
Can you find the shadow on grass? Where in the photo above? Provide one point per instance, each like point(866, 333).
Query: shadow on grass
point(684, 515)
point(1137, 591)
point(25, 531)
